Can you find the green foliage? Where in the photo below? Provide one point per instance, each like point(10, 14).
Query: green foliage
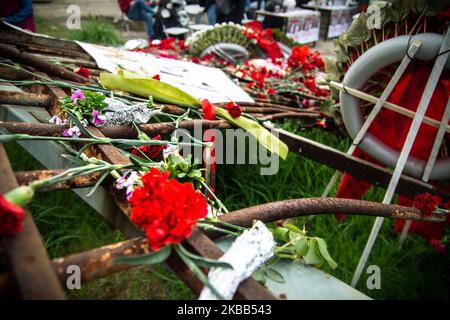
point(96, 31)
point(83, 108)
point(185, 169)
point(223, 33)
point(93, 30)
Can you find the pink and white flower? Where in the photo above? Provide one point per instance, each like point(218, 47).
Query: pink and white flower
point(77, 95)
point(129, 182)
point(72, 132)
point(98, 119)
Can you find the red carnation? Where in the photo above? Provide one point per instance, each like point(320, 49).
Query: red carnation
point(427, 203)
point(166, 209)
point(11, 217)
point(438, 246)
point(151, 151)
point(234, 109)
point(84, 72)
point(209, 111)
point(271, 91)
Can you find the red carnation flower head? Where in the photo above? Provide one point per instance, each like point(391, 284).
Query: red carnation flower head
point(84, 72)
point(234, 109)
point(11, 217)
point(208, 109)
point(427, 203)
point(166, 209)
point(151, 151)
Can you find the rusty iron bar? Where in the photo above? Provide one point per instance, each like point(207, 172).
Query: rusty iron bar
point(276, 110)
point(77, 62)
point(25, 98)
point(14, 54)
point(53, 130)
point(284, 115)
point(15, 37)
point(358, 168)
point(286, 209)
point(26, 177)
point(25, 252)
point(44, 100)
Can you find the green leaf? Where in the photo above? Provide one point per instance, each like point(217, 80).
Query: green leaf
point(259, 275)
point(261, 134)
point(97, 184)
point(293, 228)
point(313, 257)
point(301, 247)
point(281, 234)
point(205, 262)
point(274, 275)
point(322, 244)
point(152, 258)
point(197, 272)
point(145, 87)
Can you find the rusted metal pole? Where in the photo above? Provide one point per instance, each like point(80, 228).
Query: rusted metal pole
point(47, 129)
point(358, 168)
point(280, 210)
point(26, 177)
point(14, 54)
point(25, 99)
point(285, 115)
point(25, 252)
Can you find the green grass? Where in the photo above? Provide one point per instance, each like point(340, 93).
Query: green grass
point(93, 30)
point(417, 271)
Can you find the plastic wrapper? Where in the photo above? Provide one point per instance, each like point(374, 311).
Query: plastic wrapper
point(249, 251)
point(119, 113)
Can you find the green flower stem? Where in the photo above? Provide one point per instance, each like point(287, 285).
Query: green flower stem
point(197, 271)
point(210, 227)
point(221, 205)
point(131, 142)
point(226, 224)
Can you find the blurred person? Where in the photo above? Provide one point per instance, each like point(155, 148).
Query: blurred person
point(19, 13)
point(230, 10)
point(140, 10)
point(210, 9)
point(275, 6)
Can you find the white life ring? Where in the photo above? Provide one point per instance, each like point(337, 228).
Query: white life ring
point(374, 59)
